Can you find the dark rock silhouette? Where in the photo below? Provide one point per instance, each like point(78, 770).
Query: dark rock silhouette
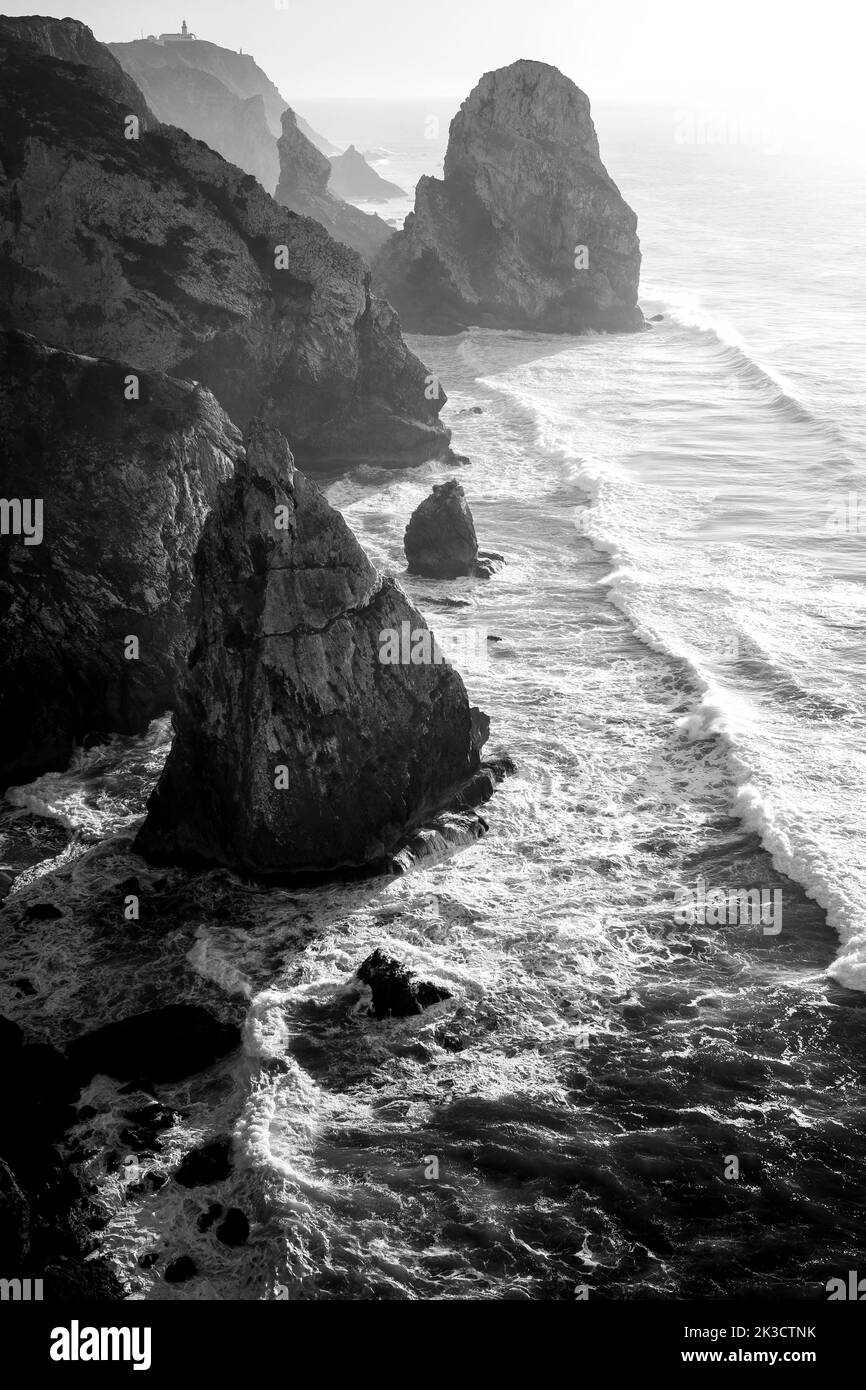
point(303, 186)
point(165, 1044)
point(155, 251)
point(394, 992)
point(440, 540)
point(179, 1270)
point(234, 1229)
point(125, 485)
point(208, 1164)
point(353, 177)
point(527, 229)
point(298, 747)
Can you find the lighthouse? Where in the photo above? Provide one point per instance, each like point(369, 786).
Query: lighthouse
point(183, 37)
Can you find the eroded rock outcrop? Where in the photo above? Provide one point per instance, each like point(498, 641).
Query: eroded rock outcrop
point(303, 186)
point(156, 252)
point(297, 750)
point(527, 229)
point(120, 487)
point(353, 177)
point(440, 540)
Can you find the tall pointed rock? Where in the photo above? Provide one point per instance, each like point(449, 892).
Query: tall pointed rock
point(297, 748)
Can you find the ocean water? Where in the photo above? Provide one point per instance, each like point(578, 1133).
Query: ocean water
point(614, 1098)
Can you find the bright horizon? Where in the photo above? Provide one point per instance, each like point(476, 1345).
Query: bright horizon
point(758, 59)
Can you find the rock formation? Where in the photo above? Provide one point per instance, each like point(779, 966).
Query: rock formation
point(352, 177)
point(440, 540)
point(527, 229)
point(123, 487)
point(155, 251)
point(386, 989)
point(303, 187)
point(297, 748)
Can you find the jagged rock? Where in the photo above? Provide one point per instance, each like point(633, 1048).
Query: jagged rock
point(166, 1044)
point(393, 991)
point(298, 748)
point(440, 540)
point(208, 1164)
point(157, 252)
point(352, 177)
point(303, 187)
point(496, 242)
point(125, 486)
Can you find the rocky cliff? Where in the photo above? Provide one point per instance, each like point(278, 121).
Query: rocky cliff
point(238, 73)
point(124, 468)
point(181, 93)
point(527, 229)
point(155, 251)
point(297, 747)
point(353, 177)
point(303, 187)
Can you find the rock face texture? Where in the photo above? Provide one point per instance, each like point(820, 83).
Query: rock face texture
point(296, 749)
point(181, 93)
point(303, 187)
point(124, 486)
point(440, 540)
point(353, 177)
point(497, 242)
point(156, 252)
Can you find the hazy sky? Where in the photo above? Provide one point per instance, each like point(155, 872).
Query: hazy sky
point(800, 59)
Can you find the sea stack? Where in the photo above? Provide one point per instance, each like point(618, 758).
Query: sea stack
point(440, 540)
point(299, 748)
point(527, 229)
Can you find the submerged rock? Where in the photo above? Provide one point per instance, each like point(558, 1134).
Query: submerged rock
point(180, 1270)
point(305, 174)
point(208, 1164)
point(235, 1229)
point(123, 487)
point(440, 540)
point(353, 177)
point(393, 991)
point(527, 229)
point(153, 250)
point(298, 749)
